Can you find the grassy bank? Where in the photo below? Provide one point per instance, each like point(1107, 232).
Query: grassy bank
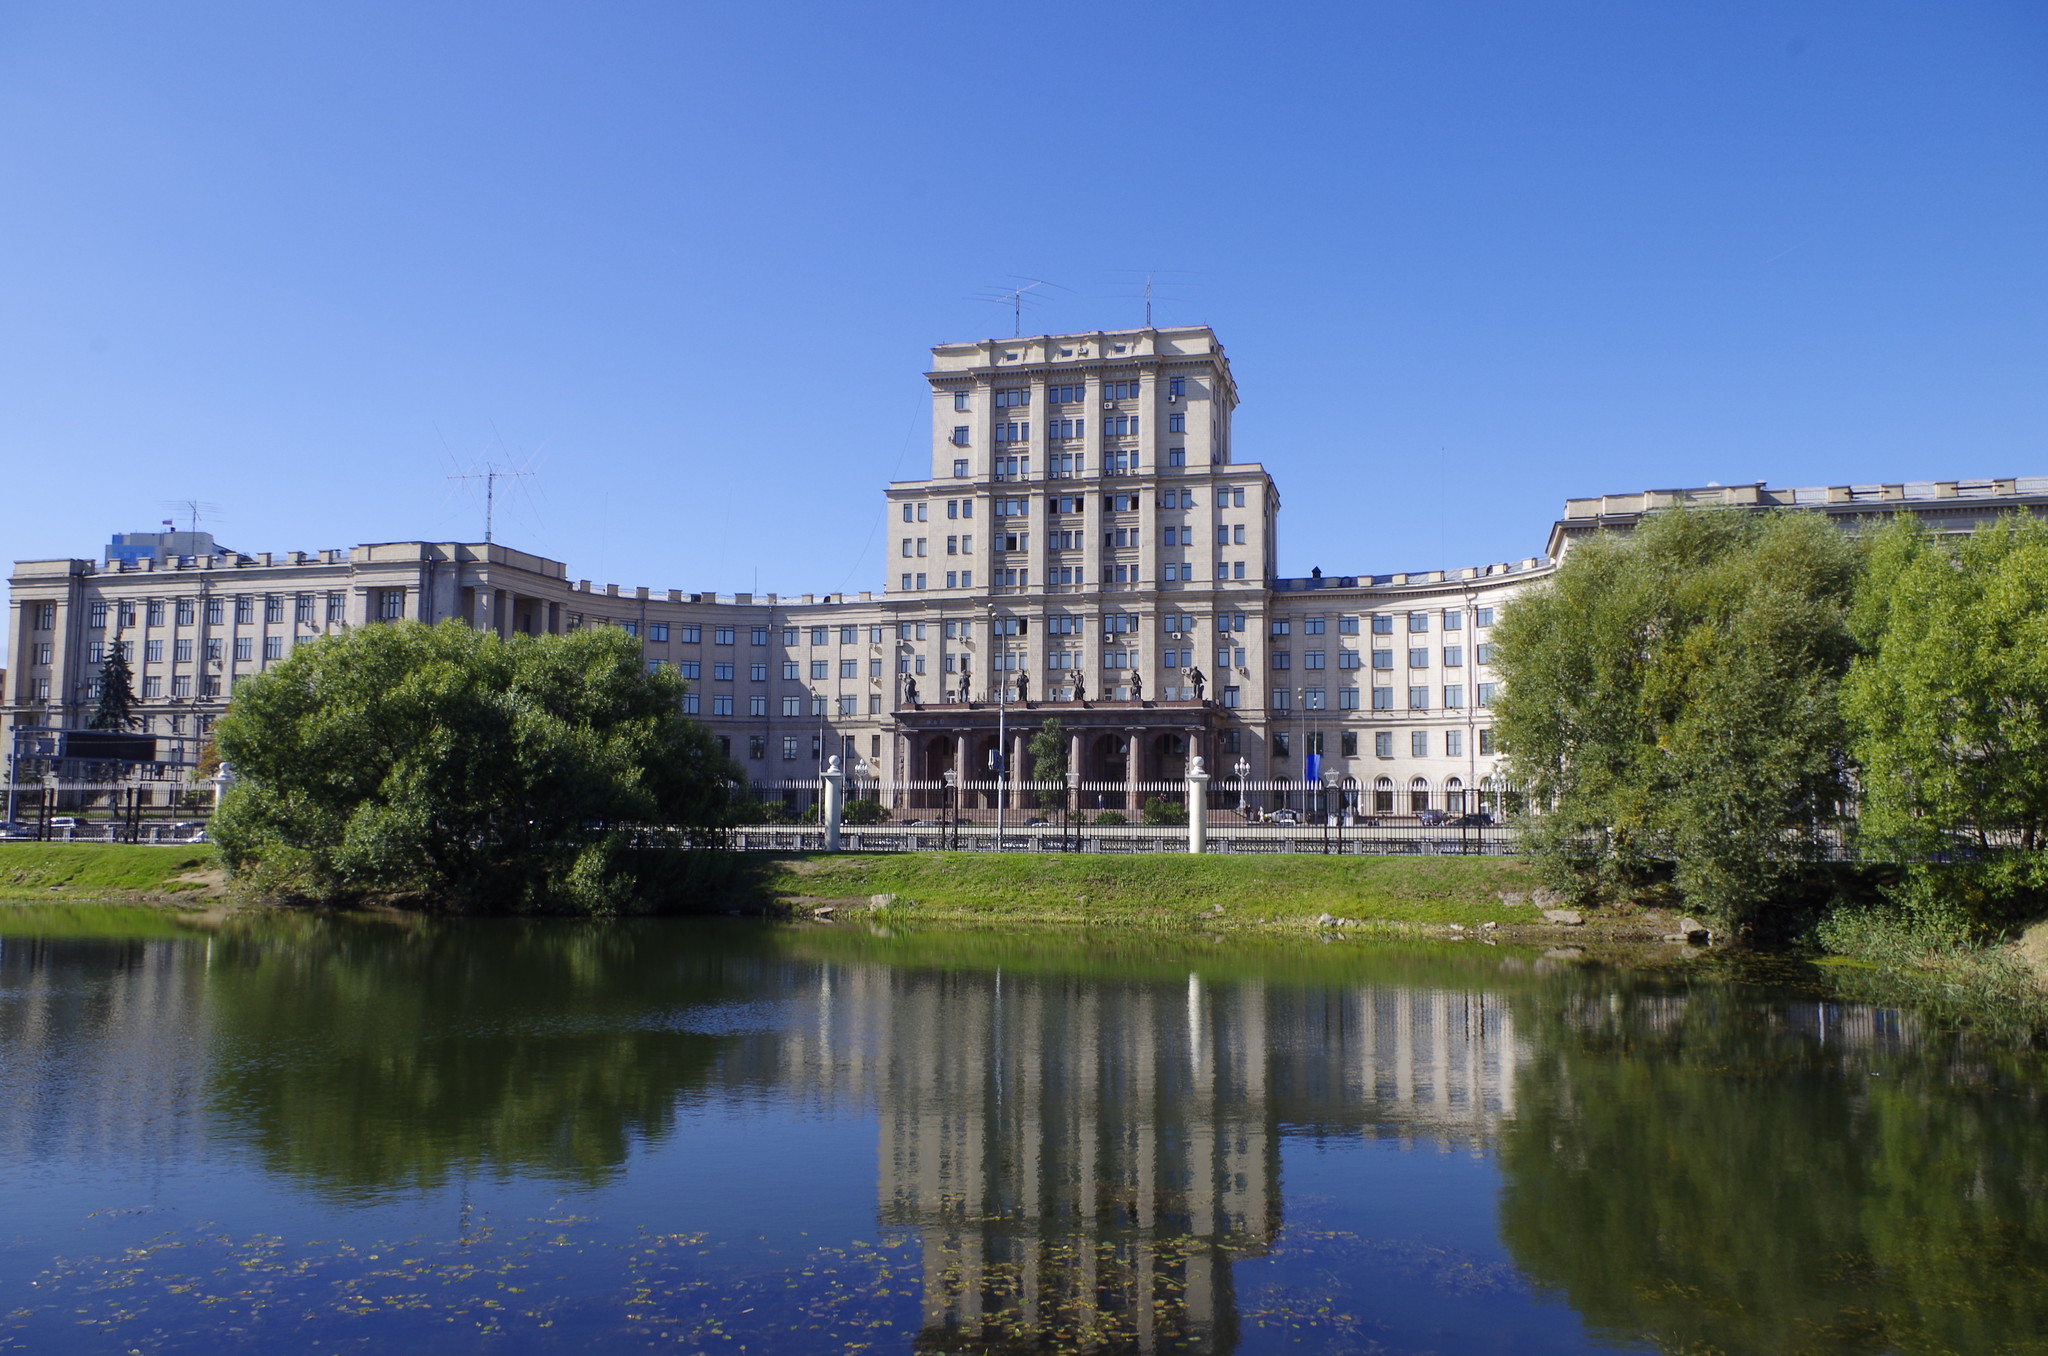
point(109, 871)
point(1153, 890)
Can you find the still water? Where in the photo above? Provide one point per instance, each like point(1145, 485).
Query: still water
point(300, 1134)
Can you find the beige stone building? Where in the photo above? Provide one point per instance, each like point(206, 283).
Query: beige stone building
point(1087, 545)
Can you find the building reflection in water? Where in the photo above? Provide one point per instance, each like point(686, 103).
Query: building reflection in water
point(1087, 1159)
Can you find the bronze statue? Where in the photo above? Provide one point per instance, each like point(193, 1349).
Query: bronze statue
point(1195, 677)
point(1080, 686)
point(1023, 688)
point(909, 691)
point(1137, 687)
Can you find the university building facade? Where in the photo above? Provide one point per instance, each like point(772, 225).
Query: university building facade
point(1087, 546)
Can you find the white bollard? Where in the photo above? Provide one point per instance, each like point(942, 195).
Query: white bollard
point(835, 803)
point(1198, 806)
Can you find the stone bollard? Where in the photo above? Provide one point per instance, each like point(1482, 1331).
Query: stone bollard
point(835, 803)
point(1198, 806)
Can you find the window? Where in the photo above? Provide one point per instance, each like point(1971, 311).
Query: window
point(1283, 699)
point(1382, 625)
point(1347, 699)
point(849, 668)
point(849, 706)
point(721, 704)
point(1418, 699)
point(960, 463)
point(1312, 659)
point(1280, 659)
point(1176, 423)
point(96, 652)
point(153, 611)
point(1383, 659)
point(792, 706)
point(906, 583)
point(152, 687)
point(1230, 697)
point(273, 647)
point(181, 652)
point(1454, 656)
point(1279, 628)
point(757, 746)
point(216, 611)
point(337, 607)
point(1486, 693)
point(690, 635)
point(722, 673)
point(722, 635)
point(302, 611)
point(1418, 796)
point(874, 668)
point(658, 631)
point(152, 652)
point(390, 604)
point(960, 440)
point(1312, 699)
point(1486, 743)
point(960, 400)
point(817, 709)
point(1347, 626)
point(691, 669)
point(181, 686)
point(1418, 622)
point(245, 611)
point(759, 636)
point(757, 706)
point(1312, 626)
point(1066, 395)
point(1482, 654)
point(1454, 696)
point(1347, 659)
point(757, 673)
point(1176, 387)
point(1383, 699)
point(821, 669)
point(187, 613)
point(1454, 743)
point(1482, 616)
point(1176, 456)
point(1418, 743)
point(1119, 425)
point(1453, 620)
point(245, 649)
point(1012, 398)
point(1418, 659)
point(789, 748)
point(1281, 743)
point(920, 579)
point(1383, 744)
point(1347, 744)
point(874, 635)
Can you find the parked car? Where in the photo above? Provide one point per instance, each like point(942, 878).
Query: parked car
point(59, 823)
point(1431, 817)
point(1287, 818)
point(10, 829)
point(1477, 819)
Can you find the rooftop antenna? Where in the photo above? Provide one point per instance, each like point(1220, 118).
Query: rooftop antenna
point(1148, 301)
point(1014, 298)
point(195, 509)
point(490, 476)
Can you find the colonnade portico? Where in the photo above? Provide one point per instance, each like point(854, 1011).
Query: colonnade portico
point(1116, 750)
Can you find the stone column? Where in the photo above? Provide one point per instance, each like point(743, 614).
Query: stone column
point(1134, 752)
point(1074, 771)
point(835, 803)
point(1198, 806)
point(1017, 771)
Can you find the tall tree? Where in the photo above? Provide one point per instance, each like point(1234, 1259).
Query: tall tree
point(455, 769)
point(1048, 752)
point(1948, 709)
point(115, 707)
point(1670, 704)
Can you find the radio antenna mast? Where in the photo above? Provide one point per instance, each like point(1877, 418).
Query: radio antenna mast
point(490, 476)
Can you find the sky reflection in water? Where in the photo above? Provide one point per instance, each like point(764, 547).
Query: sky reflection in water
point(692, 1136)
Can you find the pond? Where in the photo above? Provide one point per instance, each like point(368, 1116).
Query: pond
point(306, 1133)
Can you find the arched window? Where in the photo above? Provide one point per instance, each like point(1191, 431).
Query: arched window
point(1454, 796)
point(1418, 796)
point(1383, 796)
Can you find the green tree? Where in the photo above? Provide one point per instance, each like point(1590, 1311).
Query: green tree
point(454, 769)
point(1157, 810)
point(1948, 710)
point(1671, 705)
point(1048, 752)
point(115, 707)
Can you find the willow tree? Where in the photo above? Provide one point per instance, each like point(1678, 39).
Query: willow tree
point(450, 768)
point(1670, 706)
point(1948, 709)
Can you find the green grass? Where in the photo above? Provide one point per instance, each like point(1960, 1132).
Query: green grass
point(1159, 890)
point(61, 871)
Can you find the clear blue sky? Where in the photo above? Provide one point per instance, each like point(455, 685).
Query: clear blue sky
point(305, 260)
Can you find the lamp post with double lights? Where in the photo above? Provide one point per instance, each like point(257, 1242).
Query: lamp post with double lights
point(998, 763)
point(1333, 810)
point(1243, 768)
point(951, 824)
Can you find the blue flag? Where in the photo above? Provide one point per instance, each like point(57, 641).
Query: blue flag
point(1312, 768)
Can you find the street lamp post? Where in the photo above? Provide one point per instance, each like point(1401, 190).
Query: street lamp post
point(1243, 769)
point(1002, 765)
point(952, 824)
point(1332, 816)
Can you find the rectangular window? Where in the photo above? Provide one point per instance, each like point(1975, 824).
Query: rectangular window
point(1418, 699)
point(1279, 628)
point(245, 649)
point(789, 748)
point(1418, 622)
point(1383, 659)
point(1453, 621)
point(849, 706)
point(1454, 696)
point(216, 611)
point(960, 463)
point(1418, 659)
point(758, 636)
point(1347, 659)
point(1486, 743)
point(181, 652)
point(690, 635)
point(1347, 626)
point(1382, 624)
point(1347, 744)
point(245, 611)
point(757, 673)
point(302, 611)
point(1312, 626)
point(1482, 654)
point(657, 631)
point(187, 613)
point(874, 668)
point(1487, 692)
point(757, 746)
point(273, 647)
point(1383, 699)
point(337, 607)
point(1347, 699)
point(390, 604)
point(691, 669)
point(821, 669)
point(849, 668)
point(1454, 656)
point(1313, 699)
point(1231, 697)
point(153, 611)
point(1176, 423)
point(1418, 743)
point(722, 673)
point(1283, 699)
point(181, 686)
point(152, 652)
point(1312, 659)
point(721, 704)
point(1454, 743)
point(152, 687)
point(757, 706)
point(1282, 745)
point(960, 400)
point(1383, 744)
point(1482, 616)
point(722, 635)
point(792, 706)
point(817, 709)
